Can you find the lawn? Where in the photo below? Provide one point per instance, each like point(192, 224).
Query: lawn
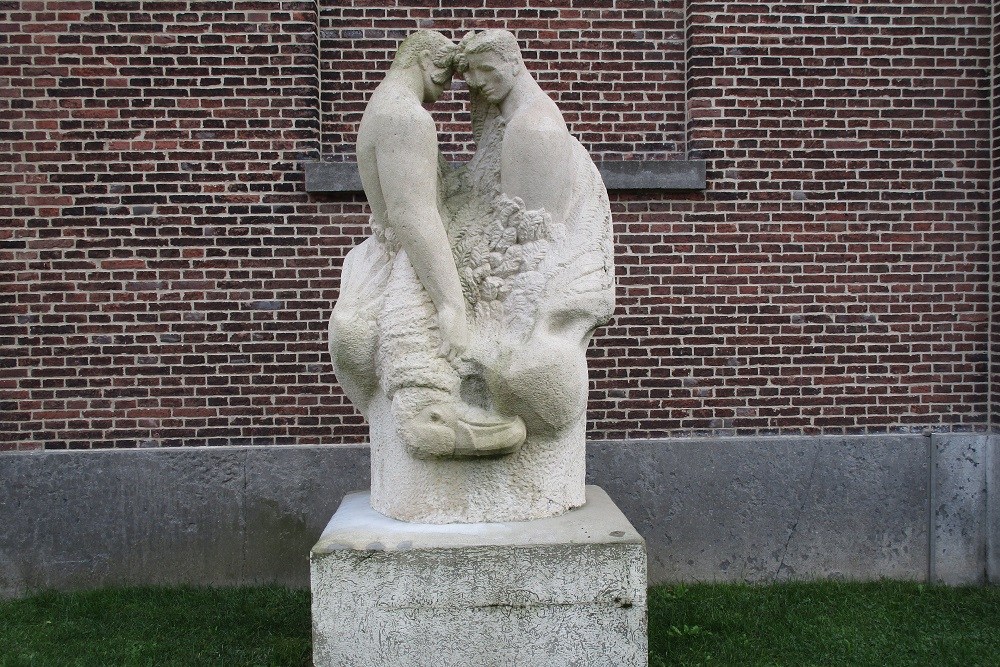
point(157, 627)
point(826, 623)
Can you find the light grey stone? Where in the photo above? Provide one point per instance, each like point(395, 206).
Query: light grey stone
point(567, 590)
point(285, 503)
point(993, 509)
point(710, 509)
point(771, 509)
point(77, 520)
point(219, 516)
point(461, 327)
point(958, 503)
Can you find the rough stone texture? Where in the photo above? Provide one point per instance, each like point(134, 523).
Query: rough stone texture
point(284, 501)
point(756, 509)
point(568, 590)
point(993, 347)
point(220, 516)
point(333, 177)
point(958, 504)
point(993, 510)
point(463, 321)
point(618, 175)
point(653, 175)
point(719, 509)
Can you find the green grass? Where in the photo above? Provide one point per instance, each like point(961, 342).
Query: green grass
point(886, 623)
point(157, 626)
point(824, 623)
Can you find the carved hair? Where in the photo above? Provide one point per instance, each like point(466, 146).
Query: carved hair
point(441, 48)
point(500, 42)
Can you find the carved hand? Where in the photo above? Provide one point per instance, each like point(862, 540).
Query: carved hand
point(454, 332)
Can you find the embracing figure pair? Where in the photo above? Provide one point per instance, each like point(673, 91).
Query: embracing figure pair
point(463, 321)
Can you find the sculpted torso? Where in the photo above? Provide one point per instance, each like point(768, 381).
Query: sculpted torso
point(537, 147)
point(373, 126)
point(462, 325)
point(398, 161)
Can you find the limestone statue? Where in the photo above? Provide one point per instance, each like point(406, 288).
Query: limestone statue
point(462, 323)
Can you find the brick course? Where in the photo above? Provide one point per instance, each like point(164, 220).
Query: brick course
point(165, 280)
point(163, 274)
point(843, 266)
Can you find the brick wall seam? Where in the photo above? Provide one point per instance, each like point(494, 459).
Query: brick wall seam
point(685, 150)
point(991, 326)
point(319, 77)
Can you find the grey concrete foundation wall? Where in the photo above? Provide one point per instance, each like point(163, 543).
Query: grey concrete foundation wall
point(775, 509)
point(993, 509)
point(743, 509)
point(219, 516)
point(959, 480)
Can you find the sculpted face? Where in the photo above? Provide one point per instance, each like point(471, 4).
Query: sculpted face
point(491, 75)
point(437, 78)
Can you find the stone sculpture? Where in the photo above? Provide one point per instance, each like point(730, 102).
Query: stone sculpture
point(462, 324)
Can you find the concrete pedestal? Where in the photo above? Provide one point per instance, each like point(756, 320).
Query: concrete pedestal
point(560, 591)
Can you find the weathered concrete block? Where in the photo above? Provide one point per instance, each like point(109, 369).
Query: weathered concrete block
point(566, 590)
point(743, 509)
point(653, 175)
point(773, 509)
point(958, 506)
point(82, 519)
point(993, 509)
point(220, 516)
point(288, 493)
point(333, 177)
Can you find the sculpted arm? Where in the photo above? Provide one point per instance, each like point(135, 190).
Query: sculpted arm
point(406, 153)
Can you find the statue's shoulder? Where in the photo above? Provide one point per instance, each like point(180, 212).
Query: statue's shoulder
point(537, 134)
point(386, 109)
point(536, 127)
point(541, 115)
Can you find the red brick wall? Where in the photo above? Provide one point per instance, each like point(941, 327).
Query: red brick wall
point(994, 342)
point(839, 257)
point(162, 275)
point(164, 279)
point(616, 69)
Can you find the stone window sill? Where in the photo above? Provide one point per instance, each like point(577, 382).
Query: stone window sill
point(619, 176)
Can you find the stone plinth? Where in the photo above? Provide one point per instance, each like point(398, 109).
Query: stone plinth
point(565, 590)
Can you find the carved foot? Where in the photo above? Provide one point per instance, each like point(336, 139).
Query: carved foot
point(489, 439)
point(431, 434)
point(439, 432)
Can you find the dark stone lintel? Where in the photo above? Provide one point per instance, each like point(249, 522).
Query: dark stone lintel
point(619, 175)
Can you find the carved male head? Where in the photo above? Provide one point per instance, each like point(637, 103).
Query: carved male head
point(434, 54)
point(490, 61)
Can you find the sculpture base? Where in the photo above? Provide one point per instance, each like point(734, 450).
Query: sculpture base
point(566, 590)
